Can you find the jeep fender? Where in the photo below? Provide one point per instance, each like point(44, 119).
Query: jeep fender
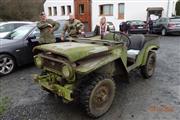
point(151, 48)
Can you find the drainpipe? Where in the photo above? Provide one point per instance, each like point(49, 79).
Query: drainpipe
point(167, 15)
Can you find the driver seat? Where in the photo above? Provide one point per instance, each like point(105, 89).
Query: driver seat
point(137, 43)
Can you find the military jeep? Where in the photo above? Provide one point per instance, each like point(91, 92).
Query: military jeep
point(85, 69)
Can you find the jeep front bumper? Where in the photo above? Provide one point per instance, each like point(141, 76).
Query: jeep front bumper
point(64, 91)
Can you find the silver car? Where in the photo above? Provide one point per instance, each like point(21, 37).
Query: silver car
point(7, 27)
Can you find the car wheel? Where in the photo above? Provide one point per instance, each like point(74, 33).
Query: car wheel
point(148, 69)
point(97, 97)
point(7, 64)
point(163, 32)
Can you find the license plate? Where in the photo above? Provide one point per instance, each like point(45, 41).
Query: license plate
point(140, 27)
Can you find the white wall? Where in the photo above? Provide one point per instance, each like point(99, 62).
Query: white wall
point(134, 9)
point(58, 4)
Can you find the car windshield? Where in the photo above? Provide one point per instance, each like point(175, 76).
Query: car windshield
point(19, 33)
point(4, 27)
point(175, 20)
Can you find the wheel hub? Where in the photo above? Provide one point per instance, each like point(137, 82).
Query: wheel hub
point(6, 65)
point(101, 95)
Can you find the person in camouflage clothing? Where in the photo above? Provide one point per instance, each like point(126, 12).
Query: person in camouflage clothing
point(73, 27)
point(47, 28)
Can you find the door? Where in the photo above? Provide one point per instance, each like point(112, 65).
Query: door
point(83, 12)
point(29, 43)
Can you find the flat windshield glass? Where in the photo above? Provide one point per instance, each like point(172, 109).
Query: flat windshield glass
point(137, 22)
point(19, 33)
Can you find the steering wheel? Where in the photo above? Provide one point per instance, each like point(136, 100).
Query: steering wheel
point(121, 37)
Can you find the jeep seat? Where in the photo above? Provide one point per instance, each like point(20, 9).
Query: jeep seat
point(137, 43)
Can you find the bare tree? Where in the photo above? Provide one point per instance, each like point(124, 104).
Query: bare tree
point(20, 9)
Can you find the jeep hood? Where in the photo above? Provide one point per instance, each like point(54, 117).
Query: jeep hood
point(72, 50)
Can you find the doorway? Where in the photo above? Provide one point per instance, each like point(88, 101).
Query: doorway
point(83, 12)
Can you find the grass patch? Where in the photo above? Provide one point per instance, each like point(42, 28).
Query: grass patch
point(4, 102)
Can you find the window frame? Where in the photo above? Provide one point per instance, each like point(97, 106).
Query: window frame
point(63, 11)
point(109, 14)
point(49, 11)
point(121, 16)
point(69, 9)
point(81, 11)
point(55, 11)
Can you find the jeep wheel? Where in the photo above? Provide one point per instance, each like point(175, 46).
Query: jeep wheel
point(148, 69)
point(163, 32)
point(7, 64)
point(98, 96)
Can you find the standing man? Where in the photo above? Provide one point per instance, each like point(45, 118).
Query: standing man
point(150, 23)
point(47, 28)
point(73, 27)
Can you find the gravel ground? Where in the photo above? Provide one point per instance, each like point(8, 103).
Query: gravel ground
point(157, 98)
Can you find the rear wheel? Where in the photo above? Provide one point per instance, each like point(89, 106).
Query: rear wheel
point(7, 64)
point(97, 97)
point(148, 69)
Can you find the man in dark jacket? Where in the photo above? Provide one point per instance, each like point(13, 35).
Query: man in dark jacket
point(150, 23)
point(47, 28)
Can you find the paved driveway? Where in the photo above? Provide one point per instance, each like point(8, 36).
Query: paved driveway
point(157, 98)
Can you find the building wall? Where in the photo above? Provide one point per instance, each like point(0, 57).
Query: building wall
point(134, 9)
point(58, 4)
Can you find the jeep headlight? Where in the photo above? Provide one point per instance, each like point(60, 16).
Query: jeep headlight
point(66, 71)
point(38, 61)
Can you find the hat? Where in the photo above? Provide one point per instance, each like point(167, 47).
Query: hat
point(42, 13)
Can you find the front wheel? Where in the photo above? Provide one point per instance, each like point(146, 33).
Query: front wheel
point(7, 64)
point(148, 69)
point(97, 97)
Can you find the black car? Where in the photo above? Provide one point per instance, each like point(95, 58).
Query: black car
point(137, 26)
point(16, 47)
point(167, 25)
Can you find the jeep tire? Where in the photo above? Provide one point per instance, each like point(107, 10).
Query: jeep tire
point(148, 69)
point(97, 96)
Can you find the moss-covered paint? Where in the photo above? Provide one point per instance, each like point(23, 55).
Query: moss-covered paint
point(85, 58)
point(49, 82)
point(72, 50)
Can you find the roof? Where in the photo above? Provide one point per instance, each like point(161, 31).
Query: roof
point(28, 22)
point(155, 8)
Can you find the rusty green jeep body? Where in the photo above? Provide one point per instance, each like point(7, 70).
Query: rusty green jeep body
point(84, 69)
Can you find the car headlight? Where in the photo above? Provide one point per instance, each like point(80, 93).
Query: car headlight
point(66, 71)
point(38, 61)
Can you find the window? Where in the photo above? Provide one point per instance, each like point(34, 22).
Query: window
point(62, 10)
point(106, 10)
point(19, 24)
point(6, 28)
point(121, 11)
point(20, 32)
point(49, 11)
point(55, 11)
point(35, 33)
point(68, 9)
point(81, 9)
